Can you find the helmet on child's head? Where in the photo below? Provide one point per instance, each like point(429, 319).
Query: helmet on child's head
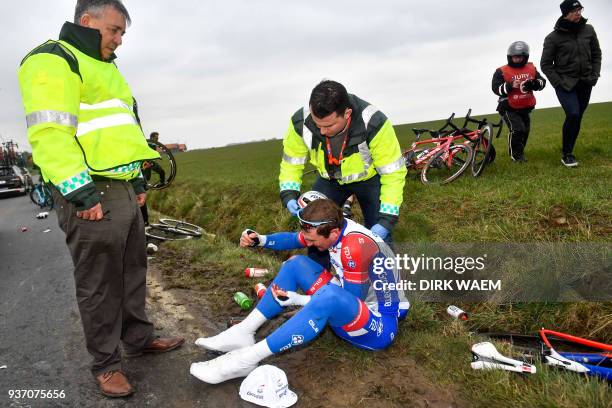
point(518, 49)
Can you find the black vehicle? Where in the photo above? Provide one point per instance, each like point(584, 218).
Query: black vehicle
point(12, 180)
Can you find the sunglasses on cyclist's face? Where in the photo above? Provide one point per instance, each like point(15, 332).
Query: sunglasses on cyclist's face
point(306, 224)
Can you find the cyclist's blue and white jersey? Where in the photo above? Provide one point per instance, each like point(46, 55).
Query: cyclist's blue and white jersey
point(362, 275)
point(358, 258)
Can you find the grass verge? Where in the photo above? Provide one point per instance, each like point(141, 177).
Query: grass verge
point(228, 189)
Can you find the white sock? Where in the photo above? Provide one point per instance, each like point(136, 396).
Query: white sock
point(255, 353)
point(252, 322)
point(236, 337)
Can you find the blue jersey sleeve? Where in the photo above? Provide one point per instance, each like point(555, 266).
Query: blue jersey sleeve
point(282, 241)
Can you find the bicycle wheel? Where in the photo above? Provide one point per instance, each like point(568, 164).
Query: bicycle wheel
point(42, 197)
point(159, 173)
point(35, 196)
point(190, 229)
point(447, 165)
point(492, 154)
point(178, 230)
point(48, 198)
point(482, 150)
point(153, 231)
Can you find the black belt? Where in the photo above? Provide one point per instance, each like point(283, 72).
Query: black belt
point(95, 177)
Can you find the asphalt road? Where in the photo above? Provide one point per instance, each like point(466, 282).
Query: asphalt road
point(41, 337)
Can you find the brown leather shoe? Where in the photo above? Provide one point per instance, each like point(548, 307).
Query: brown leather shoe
point(163, 344)
point(160, 345)
point(114, 384)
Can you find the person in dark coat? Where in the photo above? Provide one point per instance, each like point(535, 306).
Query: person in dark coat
point(571, 60)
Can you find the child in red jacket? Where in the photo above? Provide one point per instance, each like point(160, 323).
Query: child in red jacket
point(514, 83)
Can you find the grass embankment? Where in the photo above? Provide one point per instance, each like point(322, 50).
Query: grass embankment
point(228, 189)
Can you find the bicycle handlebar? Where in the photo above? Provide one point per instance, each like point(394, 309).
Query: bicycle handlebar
point(469, 119)
point(449, 123)
point(499, 125)
point(437, 133)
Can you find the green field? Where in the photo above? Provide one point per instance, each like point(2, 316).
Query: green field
point(225, 189)
point(231, 188)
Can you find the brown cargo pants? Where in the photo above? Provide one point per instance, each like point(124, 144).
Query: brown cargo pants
point(110, 266)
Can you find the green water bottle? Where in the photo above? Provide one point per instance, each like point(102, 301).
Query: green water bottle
point(243, 300)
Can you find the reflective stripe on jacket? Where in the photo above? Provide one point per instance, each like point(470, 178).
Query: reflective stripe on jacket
point(79, 115)
point(372, 148)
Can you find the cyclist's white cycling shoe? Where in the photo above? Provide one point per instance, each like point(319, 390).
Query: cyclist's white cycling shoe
point(237, 363)
point(233, 338)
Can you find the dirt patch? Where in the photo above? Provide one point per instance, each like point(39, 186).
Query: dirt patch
point(392, 381)
point(320, 377)
point(180, 271)
point(556, 217)
point(560, 218)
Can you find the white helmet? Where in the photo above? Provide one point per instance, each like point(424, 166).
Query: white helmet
point(309, 196)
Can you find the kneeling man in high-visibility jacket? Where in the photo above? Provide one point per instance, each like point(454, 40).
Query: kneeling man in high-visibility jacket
point(355, 151)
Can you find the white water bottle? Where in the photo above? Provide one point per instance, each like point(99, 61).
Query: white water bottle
point(255, 272)
point(457, 313)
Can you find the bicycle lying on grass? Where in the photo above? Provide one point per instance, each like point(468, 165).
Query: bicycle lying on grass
point(172, 230)
point(481, 139)
point(574, 353)
point(450, 150)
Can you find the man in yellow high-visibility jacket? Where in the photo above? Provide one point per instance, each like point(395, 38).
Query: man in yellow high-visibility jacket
point(355, 150)
point(86, 140)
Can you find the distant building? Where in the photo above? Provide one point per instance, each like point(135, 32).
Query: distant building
point(176, 147)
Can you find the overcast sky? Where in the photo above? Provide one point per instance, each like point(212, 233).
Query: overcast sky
point(210, 73)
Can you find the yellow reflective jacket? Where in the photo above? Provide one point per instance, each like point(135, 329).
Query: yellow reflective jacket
point(79, 113)
point(372, 148)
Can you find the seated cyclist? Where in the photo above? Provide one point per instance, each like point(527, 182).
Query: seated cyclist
point(356, 303)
